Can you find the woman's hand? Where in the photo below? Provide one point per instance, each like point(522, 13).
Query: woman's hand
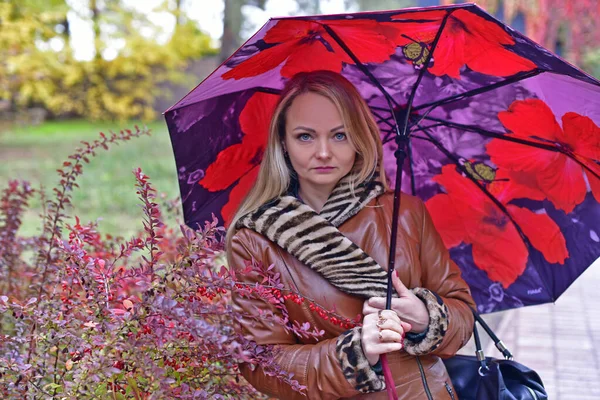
point(382, 332)
point(408, 306)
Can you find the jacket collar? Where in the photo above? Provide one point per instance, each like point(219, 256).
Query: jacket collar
point(314, 239)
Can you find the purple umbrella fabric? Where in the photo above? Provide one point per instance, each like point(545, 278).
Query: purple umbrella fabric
point(504, 137)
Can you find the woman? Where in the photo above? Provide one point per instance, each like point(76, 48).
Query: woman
point(322, 216)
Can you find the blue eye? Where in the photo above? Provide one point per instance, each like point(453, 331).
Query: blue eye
point(304, 137)
point(340, 136)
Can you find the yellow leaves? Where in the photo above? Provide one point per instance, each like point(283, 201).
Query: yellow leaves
point(72, 75)
point(118, 89)
point(26, 93)
point(69, 365)
point(189, 42)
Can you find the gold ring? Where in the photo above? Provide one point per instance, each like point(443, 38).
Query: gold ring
point(380, 318)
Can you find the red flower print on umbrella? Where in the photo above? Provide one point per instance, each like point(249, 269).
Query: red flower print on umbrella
point(558, 174)
point(467, 39)
point(500, 210)
point(306, 46)
point(465, 214)
point(238, 162)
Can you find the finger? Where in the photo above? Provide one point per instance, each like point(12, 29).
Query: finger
point(369, 319)
point(398, 305)
point(367, 309)
point(377, 302)
point(389, 335)
point(406, 327)
point(389, 314)
point(391, 324)
point(401, 289)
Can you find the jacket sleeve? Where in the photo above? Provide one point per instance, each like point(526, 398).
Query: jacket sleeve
point(445, 294)
point(316, 366)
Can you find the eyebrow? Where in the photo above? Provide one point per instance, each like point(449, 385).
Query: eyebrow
point(304, 128)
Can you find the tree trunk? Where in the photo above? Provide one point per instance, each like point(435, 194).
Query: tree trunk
point(232, 23)
point(66, 28)
point(96, 28)
point(375, 5)
point(309, 7)
point(179, 17)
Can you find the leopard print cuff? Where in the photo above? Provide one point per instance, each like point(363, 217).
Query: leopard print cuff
point(355, 366)
point(438, 324)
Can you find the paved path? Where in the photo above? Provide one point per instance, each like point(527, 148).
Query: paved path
point(560, 341)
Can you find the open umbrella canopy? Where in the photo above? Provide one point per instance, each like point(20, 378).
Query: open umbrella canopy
point(504, 137)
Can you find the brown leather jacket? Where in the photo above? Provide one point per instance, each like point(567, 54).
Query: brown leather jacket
point(421, 261)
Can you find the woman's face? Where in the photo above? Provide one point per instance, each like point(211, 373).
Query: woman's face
point(316, 142)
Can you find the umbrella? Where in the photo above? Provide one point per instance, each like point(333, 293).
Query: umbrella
point(501, 136)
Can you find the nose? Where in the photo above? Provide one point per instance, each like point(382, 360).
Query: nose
point(323, 149)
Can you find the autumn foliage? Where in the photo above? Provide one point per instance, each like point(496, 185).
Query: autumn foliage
point(40, 68)
point(85, 315)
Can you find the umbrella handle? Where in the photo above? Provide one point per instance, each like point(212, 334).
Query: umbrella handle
point(390, 386)
point(400, 156)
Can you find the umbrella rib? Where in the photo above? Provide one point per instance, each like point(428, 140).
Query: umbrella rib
point(411, 169)
point(452, 157)
point(588, 169)
point(492, 134)
point(422, 72)
point(390, 133)
point(268, 90)
point(380, 108)
point(475, 181)
point(387, 139)
point(501, 136)
point(475, 92)
point(390, 100)
point(382, 119)
point(421, 138)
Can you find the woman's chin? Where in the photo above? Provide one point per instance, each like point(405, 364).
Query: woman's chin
point(325, 179)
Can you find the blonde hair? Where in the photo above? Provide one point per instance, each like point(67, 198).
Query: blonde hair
point(275, 171)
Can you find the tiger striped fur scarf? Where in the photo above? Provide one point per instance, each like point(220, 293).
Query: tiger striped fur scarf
point(315, 240)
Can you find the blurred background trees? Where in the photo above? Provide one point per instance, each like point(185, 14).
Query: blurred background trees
point(131, 63)
point(233, 20)
point(141, 64)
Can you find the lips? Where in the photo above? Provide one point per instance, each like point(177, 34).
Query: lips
point(323, 168)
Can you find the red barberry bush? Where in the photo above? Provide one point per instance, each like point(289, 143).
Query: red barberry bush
point(88, 316)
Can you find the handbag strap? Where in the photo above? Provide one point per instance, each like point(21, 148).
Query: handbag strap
point(479, 352)
point(499, 344)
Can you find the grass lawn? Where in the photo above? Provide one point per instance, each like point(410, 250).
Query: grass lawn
point(107, 191)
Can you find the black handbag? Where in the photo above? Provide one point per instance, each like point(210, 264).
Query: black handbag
point(486, 378)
